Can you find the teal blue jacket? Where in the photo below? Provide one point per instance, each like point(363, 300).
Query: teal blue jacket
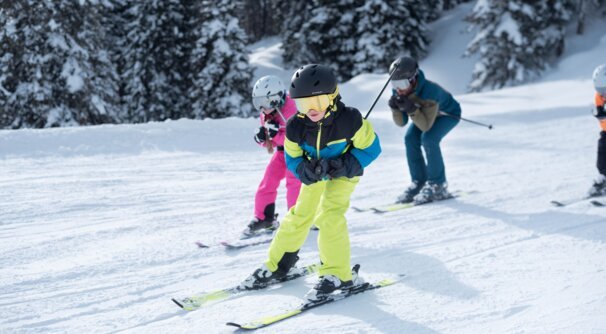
point(429, 90)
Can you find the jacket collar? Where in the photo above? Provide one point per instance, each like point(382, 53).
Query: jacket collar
point(420, 82)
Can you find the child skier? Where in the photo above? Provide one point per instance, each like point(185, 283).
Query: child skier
point(276, 107)
point(599, 83)
point(327, 147)
point(427, 105)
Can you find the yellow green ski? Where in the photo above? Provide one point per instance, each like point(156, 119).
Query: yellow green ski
point(400, 206)
point(195, 302)
point(338, 295)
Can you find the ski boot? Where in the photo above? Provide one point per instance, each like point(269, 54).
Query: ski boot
point(432, 192)
point(259, 226)
point(328, 284)
point(263, 277)
point(260, 278)
point(598, 188)
point(408, 196)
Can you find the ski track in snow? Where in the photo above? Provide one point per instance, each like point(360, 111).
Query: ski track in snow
point(100, 242)
point(98, 224)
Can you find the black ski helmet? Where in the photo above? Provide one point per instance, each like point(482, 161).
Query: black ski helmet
point(407, 68)
point(312, 80)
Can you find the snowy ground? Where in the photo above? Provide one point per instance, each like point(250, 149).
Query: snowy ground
point(97, 224)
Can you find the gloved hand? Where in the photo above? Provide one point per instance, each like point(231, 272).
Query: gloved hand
point(272, 128)
point(402, 103)
point(345, 165)
point(261, 135)
point(599, 112)
point(312, 171)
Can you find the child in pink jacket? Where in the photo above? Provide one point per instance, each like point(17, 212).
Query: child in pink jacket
point(270, 98)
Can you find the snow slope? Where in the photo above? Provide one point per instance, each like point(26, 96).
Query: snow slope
point(97, 224)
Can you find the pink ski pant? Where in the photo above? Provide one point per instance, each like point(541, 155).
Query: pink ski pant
point(267, 192)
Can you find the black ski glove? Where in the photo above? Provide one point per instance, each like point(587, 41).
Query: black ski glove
point(345, 165)
point(272, 128)
point(402, 103)
point(312, 171)
point(261, 136)
point(599, 112)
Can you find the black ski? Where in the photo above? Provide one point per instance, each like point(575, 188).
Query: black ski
point(244, 241)
point(594, 202)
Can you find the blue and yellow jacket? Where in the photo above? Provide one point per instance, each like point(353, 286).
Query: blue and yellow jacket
point(338, 132)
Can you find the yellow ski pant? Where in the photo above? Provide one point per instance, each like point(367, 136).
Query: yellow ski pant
point(324, 204)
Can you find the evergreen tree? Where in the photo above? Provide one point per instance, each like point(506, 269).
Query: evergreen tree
point(328, 35)
point(516, 39)
point(383, 34)
point(54, 67)
point(291, 37)
point(116, 20)
point(221, 73)
point(156, 60)
point(450, 4)
point(264, 18)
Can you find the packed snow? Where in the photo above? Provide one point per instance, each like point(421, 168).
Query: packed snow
point(98, 224)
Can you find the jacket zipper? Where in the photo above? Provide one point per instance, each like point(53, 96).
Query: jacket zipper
point(318, 140)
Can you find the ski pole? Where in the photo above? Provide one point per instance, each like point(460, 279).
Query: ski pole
point(381, 93)
point(489, 126)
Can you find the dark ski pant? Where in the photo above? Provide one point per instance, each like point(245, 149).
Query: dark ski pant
point(602, 153)
point(434, 171)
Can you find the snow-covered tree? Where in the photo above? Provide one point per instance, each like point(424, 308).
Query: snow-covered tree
point(291, 36)
point(264, 18)
point(328, 36)
point(156, 60)
point(387, 29)
point(516, 39)
point(54, 66)
point(222, 76)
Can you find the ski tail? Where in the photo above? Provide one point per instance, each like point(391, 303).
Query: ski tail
point(195, 302)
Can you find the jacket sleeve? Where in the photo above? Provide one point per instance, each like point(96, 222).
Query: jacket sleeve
point(278, 140)
point(599, 106)
point(293, 155)
point(366, 145)
point(262, 120)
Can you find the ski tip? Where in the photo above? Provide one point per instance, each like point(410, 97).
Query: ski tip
point(201, 245)
point(177, 302)
point(597, 203)
point(233, 324)
point(228, 246)
point(557, 204)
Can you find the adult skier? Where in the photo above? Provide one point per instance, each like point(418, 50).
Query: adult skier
point(428, 106)
point(599, 83)
point(327, 147)
point(276, 107)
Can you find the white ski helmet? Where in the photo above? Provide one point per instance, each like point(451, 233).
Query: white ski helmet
point(599, 79)
point(268, 92)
